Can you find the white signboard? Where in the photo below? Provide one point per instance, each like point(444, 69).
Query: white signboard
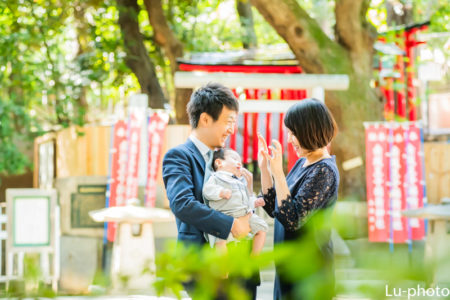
point(31, 221)
point(31, 224)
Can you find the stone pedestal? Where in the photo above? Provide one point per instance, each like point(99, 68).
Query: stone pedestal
point(438, 239)
point(133, 252)
point(134, 243)
point(79, 261)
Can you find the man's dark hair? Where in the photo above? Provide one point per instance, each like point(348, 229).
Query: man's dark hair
point(312, 124)
point(210, 99)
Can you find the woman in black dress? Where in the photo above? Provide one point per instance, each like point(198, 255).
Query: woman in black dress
point(309, 188)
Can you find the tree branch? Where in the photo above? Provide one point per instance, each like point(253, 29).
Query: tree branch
point(314, 50)
point(163, 35)
point(244, 9)
point(173, 49)
point(137, 58)
point(352, 29)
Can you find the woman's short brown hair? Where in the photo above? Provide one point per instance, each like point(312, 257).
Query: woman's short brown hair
point(312, 124)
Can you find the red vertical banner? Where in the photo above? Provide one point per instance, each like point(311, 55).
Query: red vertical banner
point(118, 171)
point(414, 181)
point(394, 178)
point(377, 175)
point(134, 138)
point(156, 128)
point(399, 232)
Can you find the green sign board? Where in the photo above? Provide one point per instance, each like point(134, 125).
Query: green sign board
point(87, 198)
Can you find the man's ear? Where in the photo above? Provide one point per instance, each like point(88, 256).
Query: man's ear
point(204, 119)
point(217, 163)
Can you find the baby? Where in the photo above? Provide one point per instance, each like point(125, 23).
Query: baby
point(226, 191)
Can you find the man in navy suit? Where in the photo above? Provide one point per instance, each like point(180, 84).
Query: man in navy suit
point(212, 112)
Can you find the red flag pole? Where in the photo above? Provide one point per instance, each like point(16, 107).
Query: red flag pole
point(269, 120)
point(245, 133)
point(255, 133)
point(409, 44)
point(233, 136)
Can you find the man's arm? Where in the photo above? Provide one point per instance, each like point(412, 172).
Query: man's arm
point(178, 180)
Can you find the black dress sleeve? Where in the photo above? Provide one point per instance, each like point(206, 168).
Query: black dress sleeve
point(269, 200)
point(316, 192)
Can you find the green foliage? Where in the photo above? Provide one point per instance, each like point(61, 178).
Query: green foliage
point(208, 267)
point(31, 68)
point(32, 284)
point(102, 61)
point(15, 125)
point(298, 261)
point(57, 68)
point(213, 25)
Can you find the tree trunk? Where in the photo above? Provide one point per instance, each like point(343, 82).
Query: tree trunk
point(137, 58)
point(244, 9)
point(351, 54)
point(173, 49)
point(82, 33)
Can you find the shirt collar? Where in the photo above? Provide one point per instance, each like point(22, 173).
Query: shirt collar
point(225, 173)
point(200, 145)
point(229, 175)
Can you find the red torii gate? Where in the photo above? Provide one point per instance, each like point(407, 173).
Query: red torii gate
point(403, 99)
point(257, 82)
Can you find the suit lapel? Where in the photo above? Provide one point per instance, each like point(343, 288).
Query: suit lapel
point(198, 156)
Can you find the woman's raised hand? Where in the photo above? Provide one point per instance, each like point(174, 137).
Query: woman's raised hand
point(276, 160)
point(263, 153)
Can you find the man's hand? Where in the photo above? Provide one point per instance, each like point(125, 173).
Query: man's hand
point(225, 194)
point(241, 227)
point(259, 202)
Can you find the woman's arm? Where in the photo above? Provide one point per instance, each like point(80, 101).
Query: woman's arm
point(314, 194)
point(281, 187)
point(276, 168)
point(268, 192)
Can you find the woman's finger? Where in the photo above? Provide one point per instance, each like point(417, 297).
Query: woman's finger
point(262, 141)
point(275, 152)
point(277, 145)
point(272, 151)
point(266, 155)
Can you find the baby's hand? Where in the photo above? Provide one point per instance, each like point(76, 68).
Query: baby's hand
point(225, 194)
point(259, 202)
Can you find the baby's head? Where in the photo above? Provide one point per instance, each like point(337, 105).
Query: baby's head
point(227, 160)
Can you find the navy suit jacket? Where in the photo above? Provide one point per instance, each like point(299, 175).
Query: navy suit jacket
point(183, 173)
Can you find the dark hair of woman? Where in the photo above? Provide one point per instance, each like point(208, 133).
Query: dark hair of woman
point(311, 123)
